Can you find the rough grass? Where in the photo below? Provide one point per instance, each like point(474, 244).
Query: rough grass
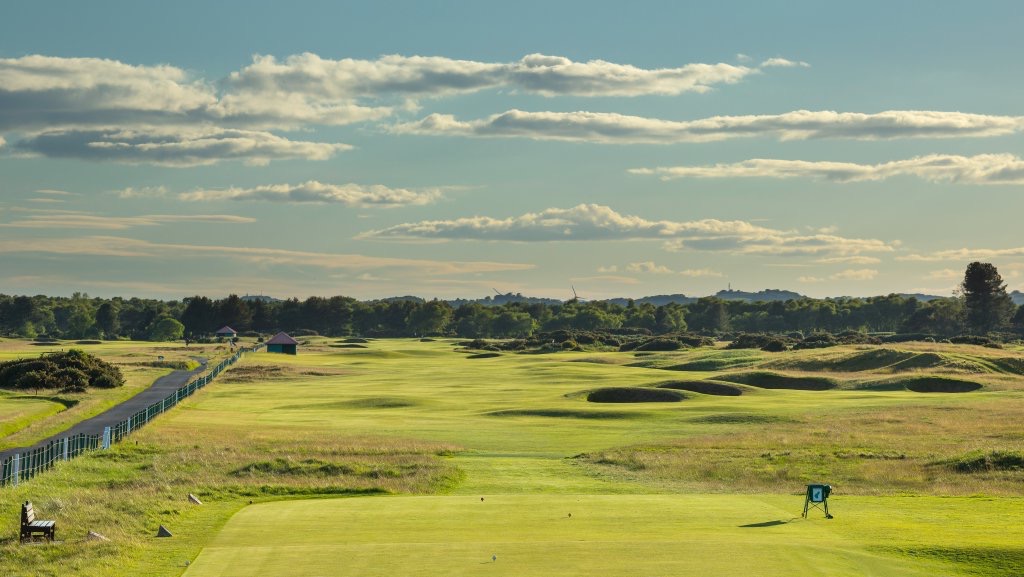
point(769, 380)
point(703, 387)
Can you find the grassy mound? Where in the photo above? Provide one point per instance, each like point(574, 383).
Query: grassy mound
point(349, 346)
point(634, 395)
point(563, 414)
point(980, 461)
point(703, 387)
point(768, 380)
point(354, 340)
point(740, 419)
point(379, 403)
point(720, 361)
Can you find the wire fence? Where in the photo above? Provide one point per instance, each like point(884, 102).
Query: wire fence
point(21, 467)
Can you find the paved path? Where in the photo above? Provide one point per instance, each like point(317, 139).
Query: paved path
point(159, 390)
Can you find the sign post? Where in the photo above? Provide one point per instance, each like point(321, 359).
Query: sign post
point(817, 498)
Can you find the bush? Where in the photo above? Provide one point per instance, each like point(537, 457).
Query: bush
point(304, 333)
point(73, 370)
point(975, 340)
point(774, 346)
point(660, 345)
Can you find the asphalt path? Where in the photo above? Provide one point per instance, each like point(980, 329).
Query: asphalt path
point(156, 392)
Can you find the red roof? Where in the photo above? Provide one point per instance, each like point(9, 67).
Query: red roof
point(282, 339)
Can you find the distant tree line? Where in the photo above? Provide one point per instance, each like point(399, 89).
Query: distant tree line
point(982, 307)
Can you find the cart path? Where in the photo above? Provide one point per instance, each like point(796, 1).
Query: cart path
point(156, 392)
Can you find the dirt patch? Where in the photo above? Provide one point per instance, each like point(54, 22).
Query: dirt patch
point(634, 395)
point(766, 380)
point(703, 387)
point(563, 414)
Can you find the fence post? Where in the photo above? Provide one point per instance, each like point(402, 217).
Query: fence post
point(106, 437)
point(15, 469)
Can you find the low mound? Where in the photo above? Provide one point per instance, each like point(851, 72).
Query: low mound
point(980, 462)
point(563, 413)
point(483, 356)
point(634, 395)
point(703, 387)
point(354, 340)
point(767, 380)
point(595, 360)
point(739, 419)
point(939, 385)
point(349, 346)
point(722, 362)
point(379, 403)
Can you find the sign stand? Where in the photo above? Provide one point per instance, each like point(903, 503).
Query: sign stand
point(817, 498)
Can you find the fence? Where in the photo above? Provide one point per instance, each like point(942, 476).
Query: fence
point(23, 466)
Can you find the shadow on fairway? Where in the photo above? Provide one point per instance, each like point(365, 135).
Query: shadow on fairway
point(764, 524)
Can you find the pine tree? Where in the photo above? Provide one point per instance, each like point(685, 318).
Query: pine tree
point(987, 305)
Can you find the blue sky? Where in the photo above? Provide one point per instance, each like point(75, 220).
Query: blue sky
point(447, 149)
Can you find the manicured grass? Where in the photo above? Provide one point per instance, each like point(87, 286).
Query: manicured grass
point(620, 535)
point(19, 410)
point(662, 488)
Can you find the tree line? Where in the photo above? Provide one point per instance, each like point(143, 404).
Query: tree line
point(982, 307)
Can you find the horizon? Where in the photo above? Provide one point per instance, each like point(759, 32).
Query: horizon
point(447, 150)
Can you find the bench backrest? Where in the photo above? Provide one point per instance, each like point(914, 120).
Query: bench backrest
point(28, 514)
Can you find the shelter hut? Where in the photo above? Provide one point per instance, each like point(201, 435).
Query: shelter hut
point(226, 332)
point(282, 343)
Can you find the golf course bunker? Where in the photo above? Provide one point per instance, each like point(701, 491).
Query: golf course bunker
point(634, 395)
point(767, 380)
point(564, 414)
point(703, 387)
point(483, 356)
point(939, 385)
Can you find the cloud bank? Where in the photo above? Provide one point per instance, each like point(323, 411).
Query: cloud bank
point(592, 222)
point(312, 191)
point(611, 128)
point(979, 169)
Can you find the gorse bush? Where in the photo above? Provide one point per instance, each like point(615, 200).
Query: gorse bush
point(73, 370)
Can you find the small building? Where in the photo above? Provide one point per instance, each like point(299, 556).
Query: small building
point(282, 343)
point(226, 332)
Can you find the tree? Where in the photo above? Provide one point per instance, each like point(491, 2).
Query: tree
point(987, 305)
point(107, 319)
point(166, 329)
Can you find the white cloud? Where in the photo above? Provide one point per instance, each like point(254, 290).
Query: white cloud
point(648, 267)
point(112, 246)
point(50, 191)
point(62, 220)
point(317, 192)
point(965, 255)
point(608, 269)
point(979, 169)
point(142, 192)
point(849, 260)
point(855, 274)
point(783, 63)
point(849, 274)
point(944, 274)
point(700, 272)
point(603, 127)
point(592, 222)
point(175, 146)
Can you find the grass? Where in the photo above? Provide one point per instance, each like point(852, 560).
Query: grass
point(411, 435)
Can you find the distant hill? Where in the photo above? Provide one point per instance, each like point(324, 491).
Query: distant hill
point(657, 300)
point(498, 300)
point(764, 295)
point(261, 298)
point(1018, 297)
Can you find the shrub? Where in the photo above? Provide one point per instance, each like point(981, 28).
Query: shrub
point(72, 370)
point(975, 340)
point(774, 346)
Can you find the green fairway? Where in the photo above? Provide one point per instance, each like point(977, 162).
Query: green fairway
point(412, 434)
point(586, 535)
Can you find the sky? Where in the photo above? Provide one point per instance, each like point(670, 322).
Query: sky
point(454, 149)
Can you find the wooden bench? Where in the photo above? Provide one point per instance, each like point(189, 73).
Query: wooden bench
point(30, 526)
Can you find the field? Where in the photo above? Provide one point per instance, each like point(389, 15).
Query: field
point(414, 458)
